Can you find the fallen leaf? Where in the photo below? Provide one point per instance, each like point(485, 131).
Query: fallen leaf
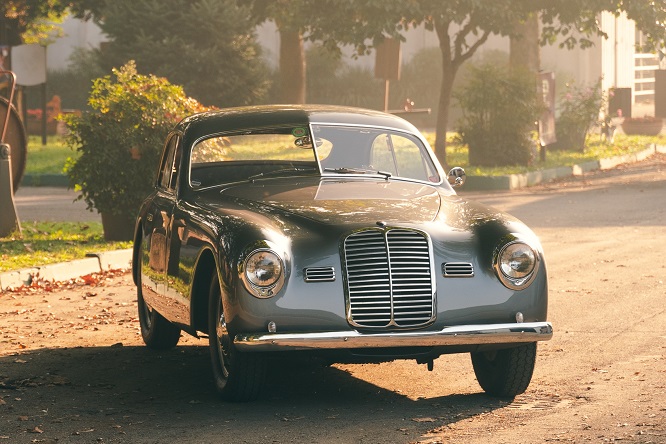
point(36, 430)
point(423, 419)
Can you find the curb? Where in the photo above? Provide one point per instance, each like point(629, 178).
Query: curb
point(94, 263)
point(515, 181)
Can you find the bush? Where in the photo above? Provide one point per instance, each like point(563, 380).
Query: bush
point(499, 110)
point(579, 109)
point(120, 141)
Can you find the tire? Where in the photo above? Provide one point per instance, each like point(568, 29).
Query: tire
point(157, 332)
point(238, 376)
point(505, 373)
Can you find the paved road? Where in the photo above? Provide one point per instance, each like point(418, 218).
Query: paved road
point(52, 204)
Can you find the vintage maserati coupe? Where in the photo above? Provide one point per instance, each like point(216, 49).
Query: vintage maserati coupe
point(283, 230)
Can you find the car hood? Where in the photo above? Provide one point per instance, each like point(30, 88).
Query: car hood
point(345, 201)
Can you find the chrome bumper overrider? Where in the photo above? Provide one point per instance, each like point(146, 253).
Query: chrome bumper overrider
point(458, 335)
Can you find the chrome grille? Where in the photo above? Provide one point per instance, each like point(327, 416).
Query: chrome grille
point(389, 282)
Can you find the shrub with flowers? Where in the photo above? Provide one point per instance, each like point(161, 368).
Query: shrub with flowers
point(579, 109)
point(120, 141)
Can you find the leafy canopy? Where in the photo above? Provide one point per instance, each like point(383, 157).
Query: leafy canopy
point(207, 46)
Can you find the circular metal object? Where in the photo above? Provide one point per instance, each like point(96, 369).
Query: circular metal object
point(15, 136)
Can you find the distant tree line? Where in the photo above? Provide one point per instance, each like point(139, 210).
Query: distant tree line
point(210, 48)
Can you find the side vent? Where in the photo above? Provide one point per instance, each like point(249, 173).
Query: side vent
point(458, 270)
point(319, 274)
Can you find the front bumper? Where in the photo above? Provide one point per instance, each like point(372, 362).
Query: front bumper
point(449, 336)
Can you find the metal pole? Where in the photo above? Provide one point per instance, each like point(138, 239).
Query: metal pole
point(9, 221)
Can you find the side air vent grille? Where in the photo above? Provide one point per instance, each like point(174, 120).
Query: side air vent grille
point(319, 274)
point(458, 269)
point(389, 280)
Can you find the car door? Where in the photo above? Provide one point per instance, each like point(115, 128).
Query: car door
point(157, 225)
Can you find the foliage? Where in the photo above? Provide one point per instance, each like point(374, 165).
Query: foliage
point(579, 108)
point(30, 21)
point(499, 110)
point(120, 141)
point(329, 81)
point(43, 243)
point(207, 46)
point(463, 26)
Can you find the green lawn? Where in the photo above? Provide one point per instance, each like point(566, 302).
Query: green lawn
point(43, 243)
point(594, 150)
point(49, 158)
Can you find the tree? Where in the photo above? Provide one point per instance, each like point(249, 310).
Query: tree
point(291, 18)
point(21, 17)
point(207, 46)
point(464, 26)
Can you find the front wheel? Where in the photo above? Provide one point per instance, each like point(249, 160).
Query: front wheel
point(238, 376)
point(505, 373)
point(157, 332)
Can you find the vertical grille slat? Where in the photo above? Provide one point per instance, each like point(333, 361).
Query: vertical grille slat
point(389, 278)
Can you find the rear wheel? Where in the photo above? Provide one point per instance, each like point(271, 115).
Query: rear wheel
point(157, 332)
point(238, 376)
point(505, 373)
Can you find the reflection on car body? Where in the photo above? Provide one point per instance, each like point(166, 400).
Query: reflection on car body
point(353, 247)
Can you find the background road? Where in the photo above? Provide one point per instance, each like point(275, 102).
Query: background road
point(72, 367)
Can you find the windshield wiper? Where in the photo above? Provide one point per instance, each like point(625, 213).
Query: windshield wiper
point(345, 170)
point(278, 172)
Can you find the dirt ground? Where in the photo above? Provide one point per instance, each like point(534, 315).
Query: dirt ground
point(73, 368)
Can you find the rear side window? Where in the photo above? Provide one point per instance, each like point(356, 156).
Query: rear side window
point(168, 173)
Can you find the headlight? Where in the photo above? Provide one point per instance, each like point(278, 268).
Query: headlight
point(515, 265)
point(263, 273)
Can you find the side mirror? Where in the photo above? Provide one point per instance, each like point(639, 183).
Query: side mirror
point(457, 177)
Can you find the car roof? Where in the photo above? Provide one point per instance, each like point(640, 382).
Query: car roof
point(245, 118)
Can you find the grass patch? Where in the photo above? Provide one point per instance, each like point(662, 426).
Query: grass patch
point(457, 154)
point(49, 158)
point(43, 243)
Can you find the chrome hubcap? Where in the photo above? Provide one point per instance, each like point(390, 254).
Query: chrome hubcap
point(223, 342)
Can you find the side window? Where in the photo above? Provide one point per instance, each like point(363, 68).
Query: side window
point(401, 156)
point(170, 164)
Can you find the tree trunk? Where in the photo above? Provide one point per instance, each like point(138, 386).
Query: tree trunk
point(292, 67)
point(446, 89)
point(449, 69)
point(524, 49)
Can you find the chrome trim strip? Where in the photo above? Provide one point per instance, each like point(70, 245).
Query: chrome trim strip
point(448, 336)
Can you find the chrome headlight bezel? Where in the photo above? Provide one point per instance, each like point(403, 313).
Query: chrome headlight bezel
point(250, 281)
point(516, 276)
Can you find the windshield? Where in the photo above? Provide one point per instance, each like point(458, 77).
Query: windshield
point(288, 151)
point(348, 150)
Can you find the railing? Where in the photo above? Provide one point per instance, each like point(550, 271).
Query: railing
point(644, 78)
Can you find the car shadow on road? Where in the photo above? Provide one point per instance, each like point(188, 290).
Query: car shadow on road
point(146, 396)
